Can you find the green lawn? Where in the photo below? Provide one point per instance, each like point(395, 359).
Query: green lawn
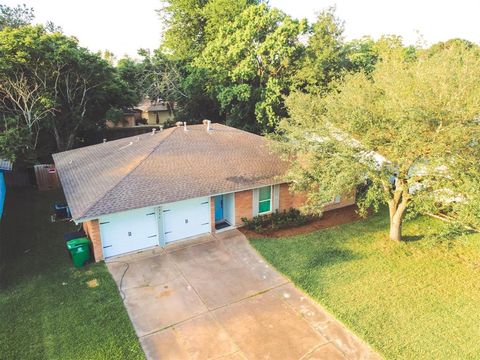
point(413, 300)
point(47, 311)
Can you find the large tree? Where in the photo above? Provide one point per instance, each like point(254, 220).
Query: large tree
point(408, 133)
point(325, 57)
point(85, 88)
point(250, 65)
point(169, 73)
point(47, 81)
point(131, 72)
point(328, 57)
point(27, 70)
point(191, 24)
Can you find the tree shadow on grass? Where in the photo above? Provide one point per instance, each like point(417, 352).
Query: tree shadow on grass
point(30, 244)
point(412, 238)
point(332, 256)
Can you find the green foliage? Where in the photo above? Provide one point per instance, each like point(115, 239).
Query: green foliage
point(328, 58)
point(452, 231)
point(361, 55)
point(196, 104)
point(325, 58)
point(450, 44)
point(417, 109)
point(88, 87)
point(115, 115)
point(47, 81)
point(191, 24)
point(15, 17)
point(240, 59)
point(250, 65)
point(130, 72)
point(13, 139)
point(159, 77)
point(276, 220)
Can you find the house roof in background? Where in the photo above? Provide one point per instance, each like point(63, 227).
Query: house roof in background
point(147, 105)
point(169, 166)
point(5, 165)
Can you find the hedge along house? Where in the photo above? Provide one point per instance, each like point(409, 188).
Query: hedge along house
point(158, 188)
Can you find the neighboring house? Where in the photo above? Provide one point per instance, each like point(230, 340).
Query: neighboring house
point(156, 112)
point(158, 188)
point(147, 112)
point(5, 165)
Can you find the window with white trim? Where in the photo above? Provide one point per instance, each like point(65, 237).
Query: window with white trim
point(264, 199)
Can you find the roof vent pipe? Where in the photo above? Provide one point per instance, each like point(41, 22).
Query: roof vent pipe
point(185, 126)
point(154, 131)
point(104, 141)
point(207, 123)
point(161, 127)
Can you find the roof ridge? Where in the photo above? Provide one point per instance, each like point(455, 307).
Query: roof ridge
point(124, 177)
point(243, 131)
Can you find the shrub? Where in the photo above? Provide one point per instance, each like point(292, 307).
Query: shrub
point(453, 230)
point(276, 220)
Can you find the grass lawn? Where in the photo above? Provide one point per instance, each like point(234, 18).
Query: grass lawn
point(47, 311)
point(412, 300)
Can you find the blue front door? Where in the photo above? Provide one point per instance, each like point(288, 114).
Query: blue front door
point(218, 208)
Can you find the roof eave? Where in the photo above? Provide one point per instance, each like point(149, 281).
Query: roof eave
point(95, 217)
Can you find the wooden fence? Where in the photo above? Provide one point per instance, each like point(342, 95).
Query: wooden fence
point(46, 177)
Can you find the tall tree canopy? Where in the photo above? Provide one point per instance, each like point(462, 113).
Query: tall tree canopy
point(15, 17)
point(47, 81)
point(239, 59)
point(421, 112)
point(250, 65)
point(328, 57)
point(325, 57)
point(191, 24)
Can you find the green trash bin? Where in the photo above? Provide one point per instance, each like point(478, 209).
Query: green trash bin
point(79, 251)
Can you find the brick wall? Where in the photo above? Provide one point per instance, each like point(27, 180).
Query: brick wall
point(346, 200)
point(243, 206)
point(288, 200)
point(92, 229)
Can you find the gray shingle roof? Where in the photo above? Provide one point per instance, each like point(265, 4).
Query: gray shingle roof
point(172, 165)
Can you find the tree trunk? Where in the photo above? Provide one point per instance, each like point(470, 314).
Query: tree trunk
point(396, 229)
point(70, 141)
point(58, 139)
point(397, 206)
point(65, 136)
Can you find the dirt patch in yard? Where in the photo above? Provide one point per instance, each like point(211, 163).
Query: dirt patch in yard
point(329, 219)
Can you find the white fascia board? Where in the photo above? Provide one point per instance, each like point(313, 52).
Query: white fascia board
point(80, 220)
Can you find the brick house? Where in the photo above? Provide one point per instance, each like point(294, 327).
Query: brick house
point(158, 188)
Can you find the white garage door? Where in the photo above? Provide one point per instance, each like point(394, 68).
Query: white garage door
point(186, 218)
point(128, 231)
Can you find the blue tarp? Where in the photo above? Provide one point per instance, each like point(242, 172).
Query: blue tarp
point(3, 191)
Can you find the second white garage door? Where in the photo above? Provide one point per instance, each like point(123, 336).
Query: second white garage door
point(186, 218)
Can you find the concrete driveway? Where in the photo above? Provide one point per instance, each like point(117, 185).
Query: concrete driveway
point(214, 297)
